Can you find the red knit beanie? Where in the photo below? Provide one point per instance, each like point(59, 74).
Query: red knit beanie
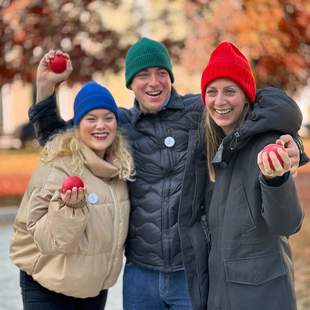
point(226, 61)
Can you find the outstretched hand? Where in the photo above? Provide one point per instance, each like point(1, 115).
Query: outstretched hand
point(279, 168)
point(47, 79)
point(74, 196)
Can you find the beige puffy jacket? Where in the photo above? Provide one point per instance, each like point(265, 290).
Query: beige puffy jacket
point(74, 251)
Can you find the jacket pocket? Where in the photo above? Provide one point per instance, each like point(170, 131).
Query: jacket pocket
point(260, 282)
point(254, 270)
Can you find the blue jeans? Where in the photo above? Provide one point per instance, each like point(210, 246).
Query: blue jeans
point(145, 289)
point(37, 297)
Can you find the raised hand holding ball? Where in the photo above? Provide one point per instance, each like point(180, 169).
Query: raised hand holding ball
point(58, 63)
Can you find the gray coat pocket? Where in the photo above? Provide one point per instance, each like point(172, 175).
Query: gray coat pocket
point(258, 283)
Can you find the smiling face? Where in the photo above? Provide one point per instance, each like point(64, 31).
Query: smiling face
point(97, 130)
point(225, 102)
point(151, 87)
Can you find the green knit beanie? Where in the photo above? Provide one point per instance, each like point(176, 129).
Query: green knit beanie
point(146, 53)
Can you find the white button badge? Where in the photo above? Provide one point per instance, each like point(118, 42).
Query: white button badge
point(92, 198)
point(169, 142)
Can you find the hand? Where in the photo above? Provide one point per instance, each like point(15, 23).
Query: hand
point(46, 79)
point(74, 196)
point(279, 169)
point(293, 152)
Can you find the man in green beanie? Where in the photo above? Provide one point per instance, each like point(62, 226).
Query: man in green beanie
point(167, 244)
point(148, 73)
point(165, 218)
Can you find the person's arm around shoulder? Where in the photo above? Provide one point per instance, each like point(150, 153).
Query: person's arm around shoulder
point(280, 204)
point(44, 114)
point(271, 100)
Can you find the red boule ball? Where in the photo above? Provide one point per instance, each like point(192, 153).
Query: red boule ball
point(58, 64)
point(70, 182)
point(273, 148)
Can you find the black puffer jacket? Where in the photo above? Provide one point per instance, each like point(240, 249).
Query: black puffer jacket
point(153, 240)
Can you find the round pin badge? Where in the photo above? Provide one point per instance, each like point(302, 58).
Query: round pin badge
point(92, 198)
point(169, 141)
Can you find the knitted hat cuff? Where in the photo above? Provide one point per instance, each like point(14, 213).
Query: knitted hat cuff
point(147, 61)
point(239, 75)
point(146, 53)
point(227, 61)
point(99, 103)
point(90, 97)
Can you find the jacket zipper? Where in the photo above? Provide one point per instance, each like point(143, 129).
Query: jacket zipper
point(115, 234)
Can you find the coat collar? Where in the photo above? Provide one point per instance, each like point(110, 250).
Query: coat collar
point(175, 103)
point(98, 166)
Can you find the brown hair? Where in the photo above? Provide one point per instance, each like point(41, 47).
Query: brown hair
point(214, 136)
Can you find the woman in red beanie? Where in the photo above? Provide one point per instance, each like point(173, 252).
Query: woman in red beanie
point(254, 207)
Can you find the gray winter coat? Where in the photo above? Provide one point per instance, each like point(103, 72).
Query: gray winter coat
point(250, 220)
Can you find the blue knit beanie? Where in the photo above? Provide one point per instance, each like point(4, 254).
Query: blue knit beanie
point(90, 97)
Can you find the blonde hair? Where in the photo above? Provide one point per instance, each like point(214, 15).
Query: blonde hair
point(214, 136)
point(67, 144)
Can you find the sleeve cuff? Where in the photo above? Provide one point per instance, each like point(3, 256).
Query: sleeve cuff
point(36, 110)
point(275, 182)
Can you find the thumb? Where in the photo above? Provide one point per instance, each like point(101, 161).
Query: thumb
point(280, 142)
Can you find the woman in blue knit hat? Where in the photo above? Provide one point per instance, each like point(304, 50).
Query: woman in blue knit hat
point(68, 244)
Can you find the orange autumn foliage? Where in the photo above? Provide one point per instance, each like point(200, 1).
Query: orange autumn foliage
point(275, 36)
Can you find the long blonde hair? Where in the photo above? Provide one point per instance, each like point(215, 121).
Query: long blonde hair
point(214, 136)
point(67, 144)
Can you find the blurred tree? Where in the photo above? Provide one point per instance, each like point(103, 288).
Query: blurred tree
point(275, 35)
point(29, 28)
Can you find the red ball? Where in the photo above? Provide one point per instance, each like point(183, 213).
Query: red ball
point(273, 148)
point(70, 182)
point(58, 64)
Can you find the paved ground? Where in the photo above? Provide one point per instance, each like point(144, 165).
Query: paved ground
point(9, 293)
